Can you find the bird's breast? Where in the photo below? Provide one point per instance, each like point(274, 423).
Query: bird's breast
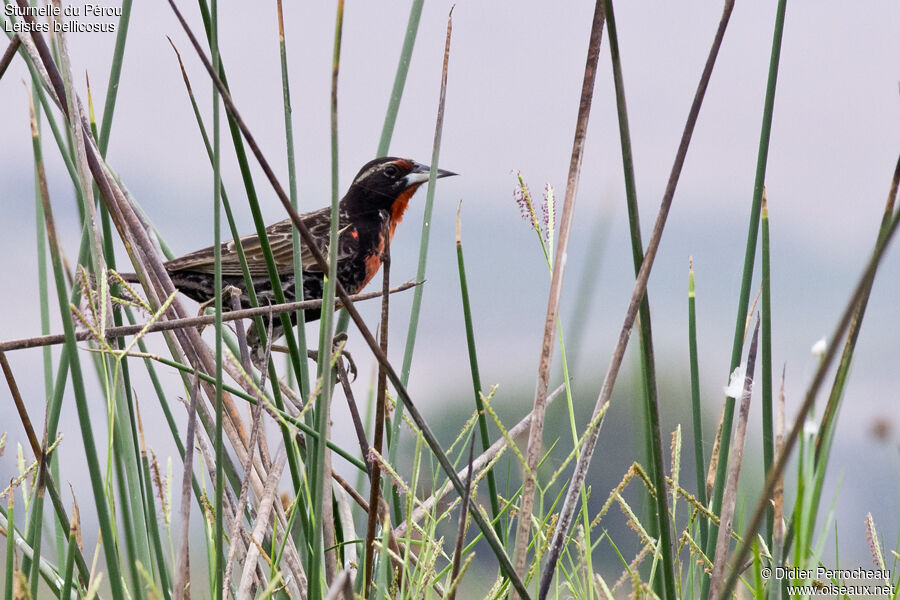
point(373, 261)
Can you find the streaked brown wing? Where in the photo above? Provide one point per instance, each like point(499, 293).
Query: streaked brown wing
point(279, 235)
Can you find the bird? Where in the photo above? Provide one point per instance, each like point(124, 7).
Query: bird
point(368, 216)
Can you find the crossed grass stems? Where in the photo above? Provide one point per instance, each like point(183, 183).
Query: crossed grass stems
point(264, 471)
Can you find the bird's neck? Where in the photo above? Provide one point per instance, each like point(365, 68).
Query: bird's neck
point(398, 208)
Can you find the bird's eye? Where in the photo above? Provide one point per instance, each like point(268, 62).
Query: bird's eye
point(391, 171)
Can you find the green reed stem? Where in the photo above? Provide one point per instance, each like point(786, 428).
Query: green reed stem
point(409, 41)
point(219, 541)
point(696, 409)
point(746, 280)
point(124, 513)
point(416, 307)
point(303, 375)
point(104, 515)
point(10, 544)
point(476, 378)
point(115, 71)
point(326, 331)
point(648, 367)
point(68, 576)
point(768, 418)
point(159, 558)
point(44, 298)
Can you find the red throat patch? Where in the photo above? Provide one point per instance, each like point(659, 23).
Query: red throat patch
point(400, 205)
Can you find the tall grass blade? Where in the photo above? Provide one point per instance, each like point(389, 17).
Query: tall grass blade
point(182, 577)
point(749, 259)
point(425, 236)
point(303, 375)
point(44, 300)
point(159, 562)
point(660, 518)
point(696, 408)
point(768, 418)
point(115, 71)
point(463, 518)
point(10, 544)
point(426, 221)
point(326, 331)
point(409, 41)
point(105, 518)
point(71, 551)
point(476, 376)
point(219, 543)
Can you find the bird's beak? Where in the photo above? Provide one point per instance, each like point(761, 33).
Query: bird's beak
point(421, 173)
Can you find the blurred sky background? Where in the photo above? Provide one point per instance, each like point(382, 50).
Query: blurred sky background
point(514, 80)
